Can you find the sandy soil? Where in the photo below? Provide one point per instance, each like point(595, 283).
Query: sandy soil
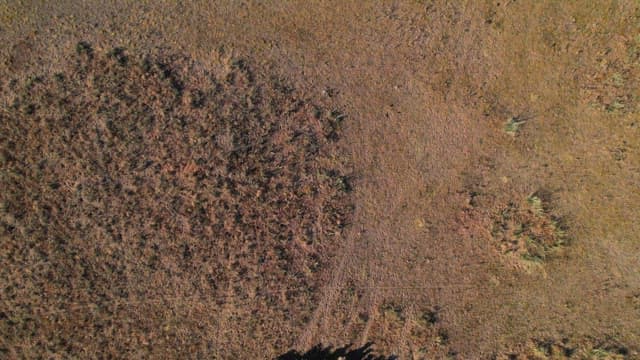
point(494, 154)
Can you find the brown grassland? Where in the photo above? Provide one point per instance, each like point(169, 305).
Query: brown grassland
point(249, 179)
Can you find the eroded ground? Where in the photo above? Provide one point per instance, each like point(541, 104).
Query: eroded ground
point(490, 151)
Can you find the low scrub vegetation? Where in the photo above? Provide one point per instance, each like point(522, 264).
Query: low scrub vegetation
point(137, 189)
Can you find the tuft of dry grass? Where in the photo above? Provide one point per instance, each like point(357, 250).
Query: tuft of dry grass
point(528, 230)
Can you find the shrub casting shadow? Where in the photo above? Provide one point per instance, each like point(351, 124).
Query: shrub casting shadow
point(319, 352)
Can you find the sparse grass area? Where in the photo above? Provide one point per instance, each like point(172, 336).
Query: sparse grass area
point(423, 330)
point(393, 312)
point(320, 352)
point(613, 86)
point(573, 349)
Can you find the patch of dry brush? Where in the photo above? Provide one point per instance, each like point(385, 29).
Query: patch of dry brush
point(141, 197)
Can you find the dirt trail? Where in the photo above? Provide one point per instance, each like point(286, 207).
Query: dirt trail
point(329, 292)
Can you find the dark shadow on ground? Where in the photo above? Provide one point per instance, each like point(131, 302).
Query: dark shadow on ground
point(318, 352)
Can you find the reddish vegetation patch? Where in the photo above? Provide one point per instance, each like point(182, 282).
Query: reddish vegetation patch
point(140, 195)
point(528, 230)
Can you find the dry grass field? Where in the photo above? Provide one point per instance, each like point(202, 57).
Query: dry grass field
point(320, 179)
